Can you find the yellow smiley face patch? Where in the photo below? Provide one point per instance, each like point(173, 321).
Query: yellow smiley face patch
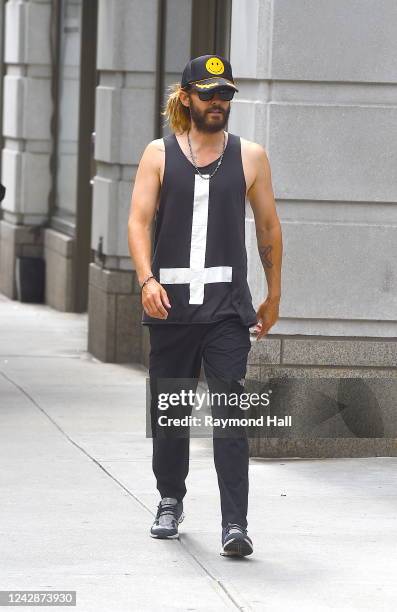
point(214, 65)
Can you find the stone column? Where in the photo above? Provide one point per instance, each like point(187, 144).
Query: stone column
point(26, 131)
point(125, 123)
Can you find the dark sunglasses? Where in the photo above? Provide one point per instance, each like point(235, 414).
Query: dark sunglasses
point(224, 94)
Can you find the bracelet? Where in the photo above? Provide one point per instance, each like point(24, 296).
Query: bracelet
point(146, 280)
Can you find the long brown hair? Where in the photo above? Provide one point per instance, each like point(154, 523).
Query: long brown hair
point(177, 115)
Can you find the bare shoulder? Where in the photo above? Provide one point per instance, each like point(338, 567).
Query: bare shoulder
point(254, 161)
point(153, 156)
point(253, 150)
point(156, 145)
point(154, 149)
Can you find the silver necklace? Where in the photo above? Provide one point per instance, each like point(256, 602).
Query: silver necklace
point(219, 160)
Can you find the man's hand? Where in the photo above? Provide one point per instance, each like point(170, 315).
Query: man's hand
point(154, 298)
point(267, 315)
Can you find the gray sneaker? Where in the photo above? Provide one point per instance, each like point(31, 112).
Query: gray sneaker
point(236, 541)
point(169, 515)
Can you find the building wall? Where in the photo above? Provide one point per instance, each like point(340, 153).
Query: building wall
point(26, 131)
point(176, 45)
point(317, 89)
point(125, 123)
point(317, 86)
point(68, 78)
point(26, 134)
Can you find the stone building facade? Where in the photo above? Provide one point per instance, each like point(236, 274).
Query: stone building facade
point(82, 88)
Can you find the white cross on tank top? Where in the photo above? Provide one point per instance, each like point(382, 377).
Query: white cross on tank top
point(197, 275)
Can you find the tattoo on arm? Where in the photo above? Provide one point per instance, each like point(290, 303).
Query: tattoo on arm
point(265, 253)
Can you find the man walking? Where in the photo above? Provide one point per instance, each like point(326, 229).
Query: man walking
point(195, 296)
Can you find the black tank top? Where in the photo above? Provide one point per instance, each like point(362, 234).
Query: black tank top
point(199, 253)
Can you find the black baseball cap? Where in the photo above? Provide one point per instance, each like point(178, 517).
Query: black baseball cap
point(208, 72)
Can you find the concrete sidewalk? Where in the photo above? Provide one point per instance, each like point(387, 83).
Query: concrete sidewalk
point(78, 497)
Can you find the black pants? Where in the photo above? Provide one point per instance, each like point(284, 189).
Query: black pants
point(177, 351)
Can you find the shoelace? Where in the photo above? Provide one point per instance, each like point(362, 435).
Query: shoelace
point(163, 509)
point(235, 526)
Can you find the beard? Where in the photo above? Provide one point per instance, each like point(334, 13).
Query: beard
point(204, 124)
